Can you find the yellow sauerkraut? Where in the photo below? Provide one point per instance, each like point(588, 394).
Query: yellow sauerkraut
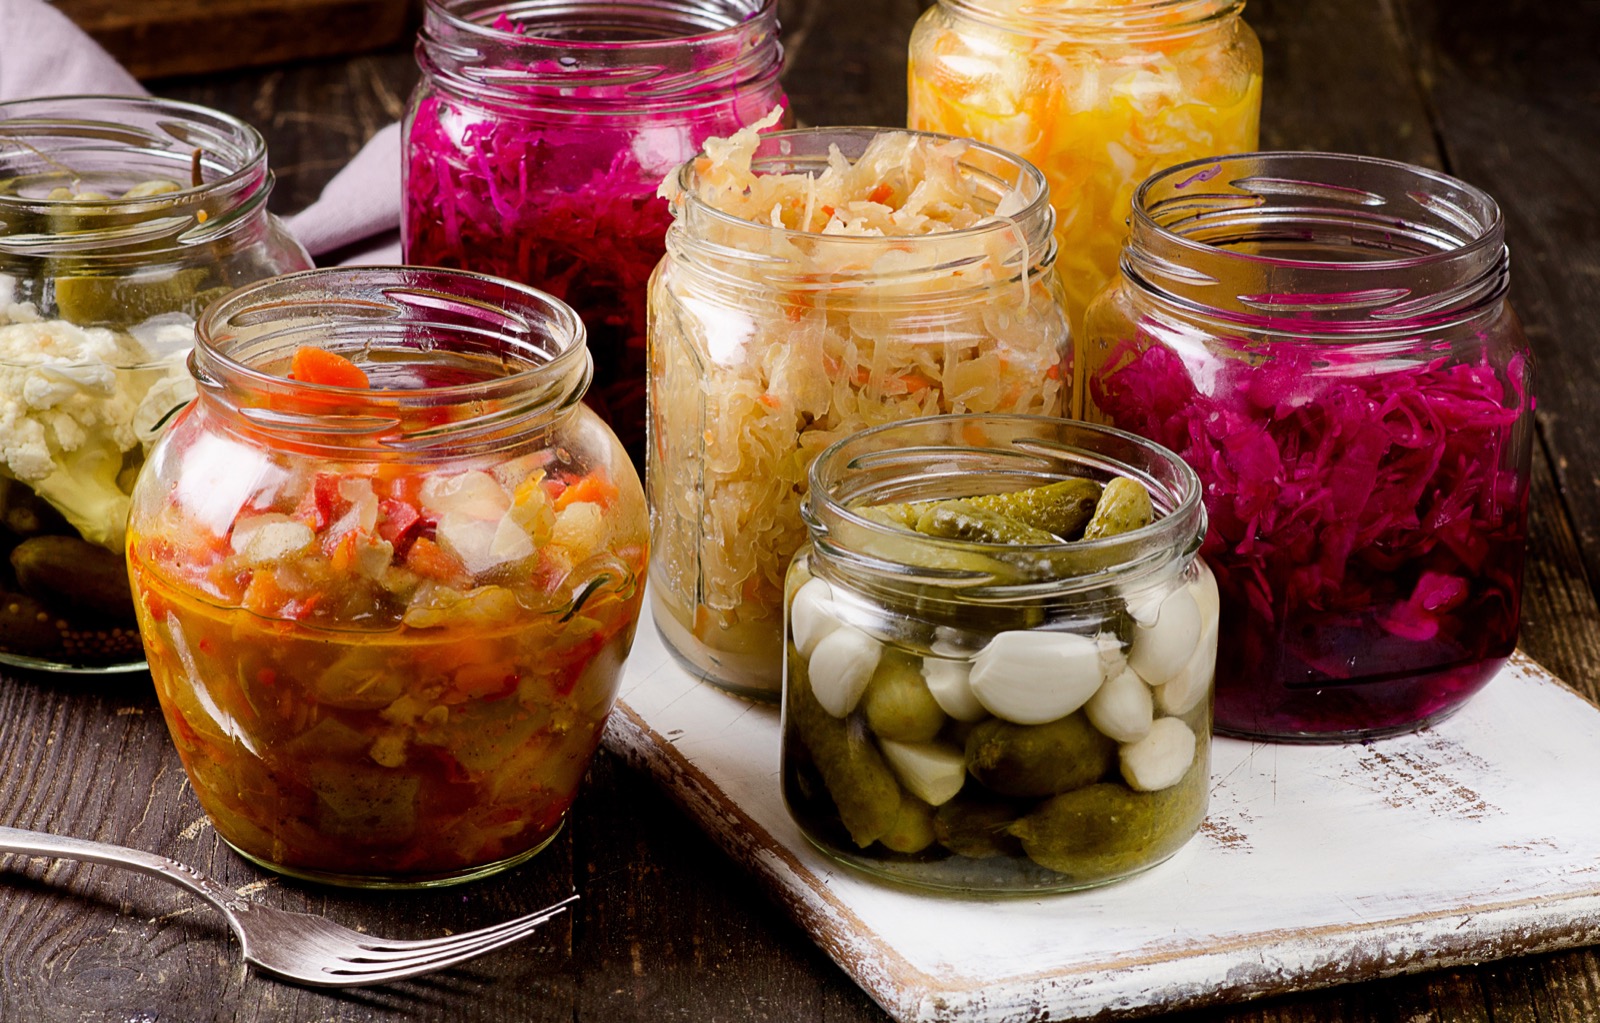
point(1098, 94)
point(802, 300)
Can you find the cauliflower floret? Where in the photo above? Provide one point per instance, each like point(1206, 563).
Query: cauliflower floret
point(67, 415)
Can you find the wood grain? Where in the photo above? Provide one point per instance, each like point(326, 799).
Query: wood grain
point(1503, 93)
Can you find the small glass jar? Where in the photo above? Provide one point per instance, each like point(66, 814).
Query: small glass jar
point(120, 218)
point(982, 717)
point(1326, 340)
point(768, 344)
point(1098, 95)
point(538, 137)
point(386, 624)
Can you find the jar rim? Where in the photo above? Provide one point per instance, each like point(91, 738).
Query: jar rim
point(1033, 444)
point(1340, 242)
point(391, 310)
point(1133, 19)
point(443, 9)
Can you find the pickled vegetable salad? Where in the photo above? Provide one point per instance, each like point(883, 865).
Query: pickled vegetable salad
point(753, 381)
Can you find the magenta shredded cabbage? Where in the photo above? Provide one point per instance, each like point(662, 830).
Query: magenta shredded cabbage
point(1367, 522)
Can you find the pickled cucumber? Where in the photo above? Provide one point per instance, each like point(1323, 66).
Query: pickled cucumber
point(976, 828)
point(898, 704)
point(1105, 830)
point(67, 572)
point(1123, 507)
point(123, 300)
point(1032, 761)
point(863, 788)
point(912, 830)
point(964, 520)
point(1062, 508)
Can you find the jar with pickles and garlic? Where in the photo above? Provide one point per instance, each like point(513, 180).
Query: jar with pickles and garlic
point(1098, 94)
point(1000, 651)
point(120, 218)
point(817, 283)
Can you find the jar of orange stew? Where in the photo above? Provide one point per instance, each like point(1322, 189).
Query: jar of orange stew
point(388, 566)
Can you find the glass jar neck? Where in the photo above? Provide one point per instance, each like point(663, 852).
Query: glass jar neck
point(1316, 245)
point(957, 456)
point(113, 161)
point(627, 57)
point(1101, 20)
point(1014, 243)
point(460, 364)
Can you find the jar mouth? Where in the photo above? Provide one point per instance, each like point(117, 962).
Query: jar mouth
point(623, 56)
point(1352, 243)
point(1114, 19)
point(948, 456)
point(456, 359)
point(998, 179)
point(88, 143)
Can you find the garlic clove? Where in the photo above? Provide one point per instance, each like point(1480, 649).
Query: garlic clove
point(1122, 709)
point(1031, 677)
point(1162, 648)
point(841, 665)
point(950, 682)
point(811, 615)
point(1184, 691)
point(1161, 758)
point(929, 771)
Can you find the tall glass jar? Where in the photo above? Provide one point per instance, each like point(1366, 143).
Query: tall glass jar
point(541, 131)
point(768, 343)
point(120, 218)
point(1326, 340)
point(1098, 95)
point(388, 567)
point(976, 716)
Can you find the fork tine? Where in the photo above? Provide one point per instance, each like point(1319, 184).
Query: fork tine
point(359, 973)
point(399, 949)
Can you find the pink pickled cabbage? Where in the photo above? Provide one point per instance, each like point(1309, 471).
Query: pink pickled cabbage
point(1367, 523)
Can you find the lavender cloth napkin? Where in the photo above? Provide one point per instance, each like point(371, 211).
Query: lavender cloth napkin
point(42, 53)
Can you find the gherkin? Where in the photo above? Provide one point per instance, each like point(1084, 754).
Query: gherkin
point(1123, 507)
point(964, 520)
point(1062, 508)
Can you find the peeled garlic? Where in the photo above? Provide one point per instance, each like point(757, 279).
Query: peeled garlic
point(1122, 709)
point(950, 682)
point(841, 665)
point(1162, 648)
point(1186, 689)
point(1030, 677)
point(811, 615)
point(929, 771)
point(1161, 758)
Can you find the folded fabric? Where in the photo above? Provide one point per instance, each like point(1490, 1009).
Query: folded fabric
point(42, 53)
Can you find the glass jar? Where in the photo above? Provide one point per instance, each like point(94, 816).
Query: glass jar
point(386, 623)
point(984, 717)
point(120, 218)
point(1326, 340)
point(1098, 95)
point(770, 343)
point(538, 137)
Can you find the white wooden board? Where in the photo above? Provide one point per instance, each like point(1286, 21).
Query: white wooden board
point(1317, 865)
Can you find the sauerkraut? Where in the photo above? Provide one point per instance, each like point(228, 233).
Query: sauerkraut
point(1099, 94)
point(816, 284)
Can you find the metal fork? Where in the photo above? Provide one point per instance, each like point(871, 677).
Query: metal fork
point(295, 946)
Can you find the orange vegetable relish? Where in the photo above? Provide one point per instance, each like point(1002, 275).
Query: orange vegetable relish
point(1098, 94)
point(386, 671)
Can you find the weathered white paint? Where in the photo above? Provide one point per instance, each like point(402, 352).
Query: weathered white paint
point(1476, 839)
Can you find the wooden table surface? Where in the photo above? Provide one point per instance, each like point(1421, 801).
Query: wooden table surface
point(1504, 93)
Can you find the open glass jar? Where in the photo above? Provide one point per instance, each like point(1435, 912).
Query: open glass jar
point(120, 218)
point(386, 623)
point(768, 343)
point(1326, 340)
point(1098, 95)
point(974, 716)
point(541, 131)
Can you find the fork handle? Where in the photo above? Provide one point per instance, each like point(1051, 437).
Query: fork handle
point(42, 843)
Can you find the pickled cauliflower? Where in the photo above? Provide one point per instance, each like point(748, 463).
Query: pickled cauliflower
point(795, 308)
point(1098, 94)
point(73, 403)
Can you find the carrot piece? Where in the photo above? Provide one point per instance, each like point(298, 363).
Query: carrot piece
point(880, 193)
point(594, 488)
point(312, 365)
point(428, 559)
